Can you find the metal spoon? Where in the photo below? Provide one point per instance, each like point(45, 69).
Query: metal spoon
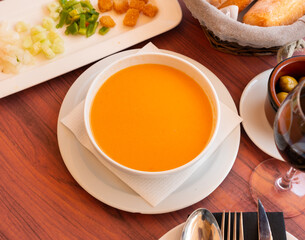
point(201, 225)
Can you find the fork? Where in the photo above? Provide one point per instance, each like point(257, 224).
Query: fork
point(241, 228)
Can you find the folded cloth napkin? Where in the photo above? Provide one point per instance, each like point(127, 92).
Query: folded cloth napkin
point(276, 221)
point(153, 190)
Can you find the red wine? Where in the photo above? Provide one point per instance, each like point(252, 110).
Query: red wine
point(289, 133)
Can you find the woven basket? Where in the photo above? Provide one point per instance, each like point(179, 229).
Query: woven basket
point(230, 36)
point(235, 48)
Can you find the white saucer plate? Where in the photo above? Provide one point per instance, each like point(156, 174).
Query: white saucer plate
point(175, 234)
point(98, 181)
point(252, 111)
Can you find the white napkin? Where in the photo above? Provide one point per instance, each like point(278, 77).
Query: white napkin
point(153, 190)
point(230, 11)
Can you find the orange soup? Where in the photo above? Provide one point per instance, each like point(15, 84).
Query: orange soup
point(151, 117)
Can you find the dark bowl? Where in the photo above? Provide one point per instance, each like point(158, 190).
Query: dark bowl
point(294, 67)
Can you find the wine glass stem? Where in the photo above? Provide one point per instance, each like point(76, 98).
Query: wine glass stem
point(284, 183)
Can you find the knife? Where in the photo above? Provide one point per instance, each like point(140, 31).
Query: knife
point(264, 231)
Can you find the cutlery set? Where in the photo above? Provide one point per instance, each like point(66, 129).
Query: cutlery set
point(241, 227)
point(264, 231)
point(202, 225)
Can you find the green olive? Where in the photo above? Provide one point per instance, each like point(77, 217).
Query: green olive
point(301, 79)
point(287, 83)
point(281, 96)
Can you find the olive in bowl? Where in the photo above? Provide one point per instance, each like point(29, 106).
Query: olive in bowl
point(283, 78)
point(284, 86)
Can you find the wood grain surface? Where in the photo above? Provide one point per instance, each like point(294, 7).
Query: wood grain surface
point(39, 199)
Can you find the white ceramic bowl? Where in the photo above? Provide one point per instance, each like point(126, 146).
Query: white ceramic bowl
point(152, 58)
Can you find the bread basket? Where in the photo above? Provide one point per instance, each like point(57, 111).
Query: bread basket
point(231, 36)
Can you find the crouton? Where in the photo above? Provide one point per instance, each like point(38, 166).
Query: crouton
point(131, 17)
point(120, 6)
point(107, 21)
point(150, 10)
point(137, 4)
point(105, 5)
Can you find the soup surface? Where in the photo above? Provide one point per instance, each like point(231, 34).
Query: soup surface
point(151, 117)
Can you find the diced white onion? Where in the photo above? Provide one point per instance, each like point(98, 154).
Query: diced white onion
point(12, 55)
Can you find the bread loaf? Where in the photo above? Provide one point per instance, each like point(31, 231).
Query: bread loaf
point(268, 13)
point(241, 4)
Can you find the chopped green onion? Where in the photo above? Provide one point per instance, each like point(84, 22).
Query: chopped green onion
point(91, 29)
point(72, 29)
point(73, 13)
point(74, 19)
point(93, 18)
point(103, 30)
point(78, 15)
point(68, 20)
point(69, 4)
point(62, 2)
point(63, 16)
point(82, 24)
point(87, 4)
point(77, 6)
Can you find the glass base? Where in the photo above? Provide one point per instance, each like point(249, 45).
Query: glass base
point(264, 186)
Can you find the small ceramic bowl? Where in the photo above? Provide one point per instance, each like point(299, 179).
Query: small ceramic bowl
point(152, 58)
point(295, 67)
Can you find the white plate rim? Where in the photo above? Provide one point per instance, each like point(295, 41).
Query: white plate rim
point(263, 125)
point(172, 234)
point(132, 202)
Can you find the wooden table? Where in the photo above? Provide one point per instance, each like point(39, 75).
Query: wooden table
point(39, 199)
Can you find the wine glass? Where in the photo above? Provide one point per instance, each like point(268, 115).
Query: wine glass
point(279, 185)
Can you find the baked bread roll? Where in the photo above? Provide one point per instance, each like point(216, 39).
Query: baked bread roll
point(268, 13)
point(241, 4)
